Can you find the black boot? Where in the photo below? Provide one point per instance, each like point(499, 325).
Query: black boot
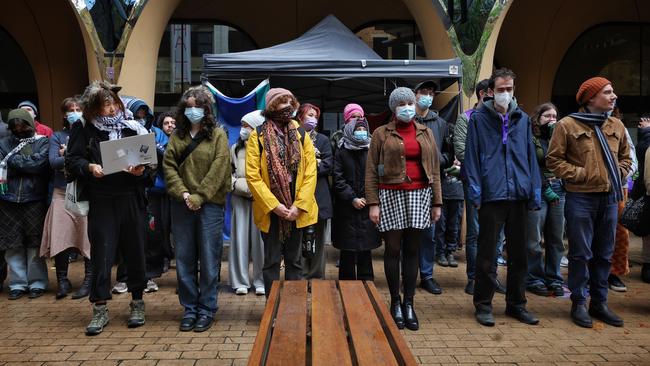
point(63, 284)
point(396, 312)
point(410, 319)
point(84, 290)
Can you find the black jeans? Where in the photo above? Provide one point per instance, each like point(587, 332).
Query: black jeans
point(356, 265)
point(116, 223)
point(492, 216)
point(408, 242)
point(274, 251)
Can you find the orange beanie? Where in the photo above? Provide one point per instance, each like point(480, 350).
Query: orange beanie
point(590, 88)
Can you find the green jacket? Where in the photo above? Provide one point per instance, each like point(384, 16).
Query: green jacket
point(460, 135)
point(206, 172)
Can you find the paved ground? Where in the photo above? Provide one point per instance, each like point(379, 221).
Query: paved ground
point(45, 331)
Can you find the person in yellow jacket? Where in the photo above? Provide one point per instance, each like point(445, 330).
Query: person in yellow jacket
point(281, 175)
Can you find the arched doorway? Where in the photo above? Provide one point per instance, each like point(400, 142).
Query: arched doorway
point(618, 51)
point(17, 82)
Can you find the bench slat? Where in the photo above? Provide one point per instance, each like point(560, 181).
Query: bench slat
point(397, 342)
point(263, 337)
point(370, 343)
point(329, 345)
point(289, 341)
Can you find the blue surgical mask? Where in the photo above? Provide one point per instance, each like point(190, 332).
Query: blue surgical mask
point(73, 117)
point(194, 114)
point(405, 113)
point(425, 101)
point(361, 135)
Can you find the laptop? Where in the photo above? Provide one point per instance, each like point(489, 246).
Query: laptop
point(118, 155)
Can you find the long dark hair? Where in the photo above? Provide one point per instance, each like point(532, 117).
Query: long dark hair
point(202, 98)
point(539, 110)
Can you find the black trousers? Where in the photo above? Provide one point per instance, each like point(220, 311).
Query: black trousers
point(158, 241)
point(356, 265)
point(116, 223)
point(275, 250)
point(492, 216)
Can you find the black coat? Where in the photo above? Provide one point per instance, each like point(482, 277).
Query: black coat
point(323, 195)
point(352, 228)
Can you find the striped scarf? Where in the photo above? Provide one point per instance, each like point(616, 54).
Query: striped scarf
point(4, 187)
point(596, 120)
point(114, 125)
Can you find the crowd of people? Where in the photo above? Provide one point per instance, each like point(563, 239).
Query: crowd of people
point(523, 181)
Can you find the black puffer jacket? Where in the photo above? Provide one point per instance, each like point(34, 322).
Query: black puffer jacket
point(351, 228)
point(28, 170)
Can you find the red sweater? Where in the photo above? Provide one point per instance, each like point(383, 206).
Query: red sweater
point(42, 129)
point(416, 177)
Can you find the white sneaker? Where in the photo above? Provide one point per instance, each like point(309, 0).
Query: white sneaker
point(151, 286)
point(564, 262)
point(241, 291)
point(120, 288)
point(259, 291)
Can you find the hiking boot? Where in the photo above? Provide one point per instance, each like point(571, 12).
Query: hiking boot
point(99, 320)
point(136, 319)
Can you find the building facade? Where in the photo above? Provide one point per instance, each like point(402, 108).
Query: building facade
point(52, 48)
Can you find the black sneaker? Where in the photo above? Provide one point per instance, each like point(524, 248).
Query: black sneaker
point(36, 292)
point(203, 323)
point(556, 290)
point(615, 284)
point(431, 286)
point(16, 294)
point(539, 290)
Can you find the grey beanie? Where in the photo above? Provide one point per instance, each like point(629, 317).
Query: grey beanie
point(399, 95)
point(27, 103)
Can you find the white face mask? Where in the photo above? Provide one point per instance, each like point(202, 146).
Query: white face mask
point(244, 133)
point(503, 99)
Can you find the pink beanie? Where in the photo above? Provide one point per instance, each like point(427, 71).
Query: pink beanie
point(350, 109)
point(274, 93)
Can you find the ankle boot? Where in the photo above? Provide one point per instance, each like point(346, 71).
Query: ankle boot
point(84, 290)
point(396, 312)
point(410, 319)
point(63, 284)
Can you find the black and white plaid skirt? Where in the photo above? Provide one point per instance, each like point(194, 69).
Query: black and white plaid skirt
point(402, 209)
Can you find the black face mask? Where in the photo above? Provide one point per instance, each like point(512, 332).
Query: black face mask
point(283, 115)
point(23, 134)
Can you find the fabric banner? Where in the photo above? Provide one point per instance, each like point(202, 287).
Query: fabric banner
point(228, 112)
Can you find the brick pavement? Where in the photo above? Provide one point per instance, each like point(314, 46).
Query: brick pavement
point(45, 331)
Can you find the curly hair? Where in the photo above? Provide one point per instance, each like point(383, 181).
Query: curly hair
point(537, 113)
point(502, 73)
point(162, 116)
point(202, 98)
point(96, 95)
point(65, 105)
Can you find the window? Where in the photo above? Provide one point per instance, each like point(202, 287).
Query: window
point(394, 40)
point(618, 51)
point(180, 58)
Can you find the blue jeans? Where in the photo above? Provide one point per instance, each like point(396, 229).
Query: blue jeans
point(427, 253)
point(548, 222)
point(199, 241)
point(591, 233)
point(27, 270)
point(448, 227)
point(471, 237)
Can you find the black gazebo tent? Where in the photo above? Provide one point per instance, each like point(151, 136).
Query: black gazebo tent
point(330, 66)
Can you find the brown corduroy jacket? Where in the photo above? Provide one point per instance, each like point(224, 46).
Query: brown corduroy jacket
point(387, 164)
point(575, 155)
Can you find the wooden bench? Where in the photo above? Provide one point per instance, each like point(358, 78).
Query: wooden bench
point(328, 323)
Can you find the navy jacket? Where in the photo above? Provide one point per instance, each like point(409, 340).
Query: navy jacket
point(28, 170)
point(501, 169)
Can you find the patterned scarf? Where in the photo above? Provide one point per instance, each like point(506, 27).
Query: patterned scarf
point(115, 125)
point(349, 141)
point(596, 120)
point(282, 146)
point(3, 164)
